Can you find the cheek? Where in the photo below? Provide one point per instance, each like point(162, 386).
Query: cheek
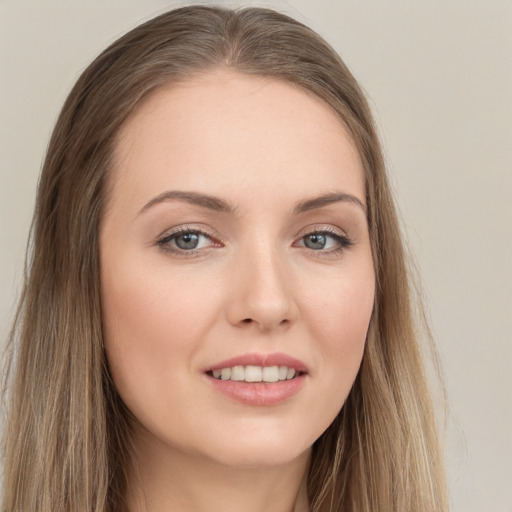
point(339, 318)
point(340, 310)
point(150, 322)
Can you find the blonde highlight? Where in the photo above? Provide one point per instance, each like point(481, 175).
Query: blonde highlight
point(67, 441)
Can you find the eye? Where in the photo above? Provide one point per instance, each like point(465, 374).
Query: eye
point(325, 241)
point(185, 240)
point(318, 241)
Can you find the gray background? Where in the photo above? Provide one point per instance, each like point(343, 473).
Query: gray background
point(439, 74)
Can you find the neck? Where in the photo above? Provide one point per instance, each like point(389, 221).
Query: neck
point(165, 479)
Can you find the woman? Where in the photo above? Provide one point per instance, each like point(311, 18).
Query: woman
point(217, 307)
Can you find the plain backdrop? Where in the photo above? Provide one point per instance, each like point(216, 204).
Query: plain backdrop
point(439, 76)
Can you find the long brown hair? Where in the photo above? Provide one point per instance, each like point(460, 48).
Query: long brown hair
point(67, 440)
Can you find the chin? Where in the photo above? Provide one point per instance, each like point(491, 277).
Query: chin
point(262, 456)
point(260, 447)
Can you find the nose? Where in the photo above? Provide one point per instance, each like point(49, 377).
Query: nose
point(262, 293)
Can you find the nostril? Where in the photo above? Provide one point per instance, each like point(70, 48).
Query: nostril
point(247, 320)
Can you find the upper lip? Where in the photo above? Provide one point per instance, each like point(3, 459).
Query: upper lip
point(253, 359)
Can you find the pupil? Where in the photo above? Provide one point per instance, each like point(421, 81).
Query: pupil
point(315, 241)
point(187, 241)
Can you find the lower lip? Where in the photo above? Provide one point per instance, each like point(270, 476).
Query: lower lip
point(258, 393)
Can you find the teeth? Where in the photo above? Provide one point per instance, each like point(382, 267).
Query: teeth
point(237, 373)
point(225, 373)
point(290, 374)
point(270, 373)
point(255, 373)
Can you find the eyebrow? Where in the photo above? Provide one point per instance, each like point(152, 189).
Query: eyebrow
point(326, 200)
point(194, 198)
point(220, 205)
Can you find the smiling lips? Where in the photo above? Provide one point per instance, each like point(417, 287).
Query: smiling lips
point(251, 373)
point(261, 380)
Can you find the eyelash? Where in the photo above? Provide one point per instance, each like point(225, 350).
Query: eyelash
point(163, 242)
point(343, 241)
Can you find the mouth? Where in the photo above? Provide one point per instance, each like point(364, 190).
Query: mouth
point(258, 380)
point(251, 373)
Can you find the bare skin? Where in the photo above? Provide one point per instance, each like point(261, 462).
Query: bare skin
point(236, 231)
point(215, 487)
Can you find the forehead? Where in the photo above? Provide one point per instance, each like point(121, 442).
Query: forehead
point(224, 132)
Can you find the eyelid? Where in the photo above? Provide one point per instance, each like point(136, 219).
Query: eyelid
point(322, 228)
point(339, 235)
point(344, 240)
point(163, 240)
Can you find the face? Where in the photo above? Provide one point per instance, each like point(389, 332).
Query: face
point(236, 269)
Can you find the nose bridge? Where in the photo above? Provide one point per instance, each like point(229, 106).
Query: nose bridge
point(263, 292)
